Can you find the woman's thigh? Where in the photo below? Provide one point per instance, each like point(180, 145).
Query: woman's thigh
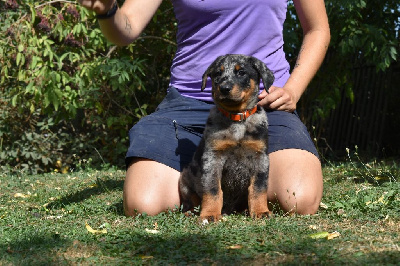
point(295, 181)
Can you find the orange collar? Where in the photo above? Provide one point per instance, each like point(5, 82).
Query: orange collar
point(238, 117)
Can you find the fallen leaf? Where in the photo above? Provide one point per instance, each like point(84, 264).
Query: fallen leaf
point(152, 231)
point(333, 235)
point(54, 217)
point(381, 199)
point(20, 195)
point(319, 235)
point(323, 206)
point(235, 247)
point(144, 257)
point(326, 235)
point(64, 170)
point(93, 231)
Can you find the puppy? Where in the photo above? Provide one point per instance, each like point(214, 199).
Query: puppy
point(229, 170)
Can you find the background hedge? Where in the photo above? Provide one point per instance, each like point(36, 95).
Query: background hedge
point(68, 95)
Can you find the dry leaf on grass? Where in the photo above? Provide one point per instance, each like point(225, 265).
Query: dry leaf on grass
point(93, 231)
point(326, 235)
point(152, 231)
point(333, 235)
point(235, 247)
point(20, 195)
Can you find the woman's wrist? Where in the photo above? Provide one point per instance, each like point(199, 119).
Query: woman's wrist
point(294, 92)
point(110, 13)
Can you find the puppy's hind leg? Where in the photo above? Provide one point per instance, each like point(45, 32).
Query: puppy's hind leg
point(189, 198)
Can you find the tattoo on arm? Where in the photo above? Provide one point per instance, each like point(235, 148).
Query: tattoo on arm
point(298, 57)
point(128, 26)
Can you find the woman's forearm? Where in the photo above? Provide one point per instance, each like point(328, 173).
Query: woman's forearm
point(310, 58)
point(129, 21)
point(118, 29)
point(314, 22)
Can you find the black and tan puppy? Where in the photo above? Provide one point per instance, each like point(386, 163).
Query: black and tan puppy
point(229, 170)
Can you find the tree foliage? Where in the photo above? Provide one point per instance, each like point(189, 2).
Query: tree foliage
point(362, 33)
point(68, 94)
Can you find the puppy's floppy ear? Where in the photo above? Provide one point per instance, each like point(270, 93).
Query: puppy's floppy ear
point(205, 76)
point(264, 72)
point(209, 70)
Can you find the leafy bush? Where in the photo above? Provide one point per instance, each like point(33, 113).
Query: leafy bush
point(362, 33)
point(66, 90)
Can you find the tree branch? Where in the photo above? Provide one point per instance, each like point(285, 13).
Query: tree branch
point(55, 1)
point(157, 38)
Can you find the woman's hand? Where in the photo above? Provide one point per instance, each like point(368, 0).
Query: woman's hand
point(98, 6)
point(280, 99)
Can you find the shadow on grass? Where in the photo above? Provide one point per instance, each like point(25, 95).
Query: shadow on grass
point(43, 249)
point(207, 247)
point(204, 248)
point(101, 186)
point(33, 249)
point(186, 248)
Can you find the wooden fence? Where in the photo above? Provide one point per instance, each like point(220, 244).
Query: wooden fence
point(372, 121)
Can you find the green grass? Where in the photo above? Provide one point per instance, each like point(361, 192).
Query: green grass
point(43, 217)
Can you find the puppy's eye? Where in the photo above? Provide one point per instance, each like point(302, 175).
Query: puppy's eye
point(218, 73)
point(241, 73)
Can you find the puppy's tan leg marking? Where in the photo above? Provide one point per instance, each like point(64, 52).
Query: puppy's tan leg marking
point(258, 204)
point(211, 207)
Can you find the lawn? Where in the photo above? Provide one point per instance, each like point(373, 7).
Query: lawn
point(77, 218)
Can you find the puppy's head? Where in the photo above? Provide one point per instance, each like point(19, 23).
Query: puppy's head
point(235, 81)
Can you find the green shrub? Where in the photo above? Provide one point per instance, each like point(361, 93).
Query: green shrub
point(65, 90)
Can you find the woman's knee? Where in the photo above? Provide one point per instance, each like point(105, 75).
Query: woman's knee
point(150, 188)
point(295, 181)
point(298, 200)
point(138, 201)
point(302, 202)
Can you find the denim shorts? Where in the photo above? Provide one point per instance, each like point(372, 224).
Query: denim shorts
point(171, 134)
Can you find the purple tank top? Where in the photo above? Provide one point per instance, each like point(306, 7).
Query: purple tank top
point(210, 28)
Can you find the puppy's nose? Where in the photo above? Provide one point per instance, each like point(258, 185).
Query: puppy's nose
point(225, 89)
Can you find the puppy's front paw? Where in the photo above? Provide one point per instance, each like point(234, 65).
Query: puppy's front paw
point(261, 215)
point(206, 219)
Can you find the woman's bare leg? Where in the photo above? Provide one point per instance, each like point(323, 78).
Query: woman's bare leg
point(295, 181)
point(150, 187)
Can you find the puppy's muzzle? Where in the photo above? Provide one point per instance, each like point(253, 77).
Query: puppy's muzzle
point(225, 89)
